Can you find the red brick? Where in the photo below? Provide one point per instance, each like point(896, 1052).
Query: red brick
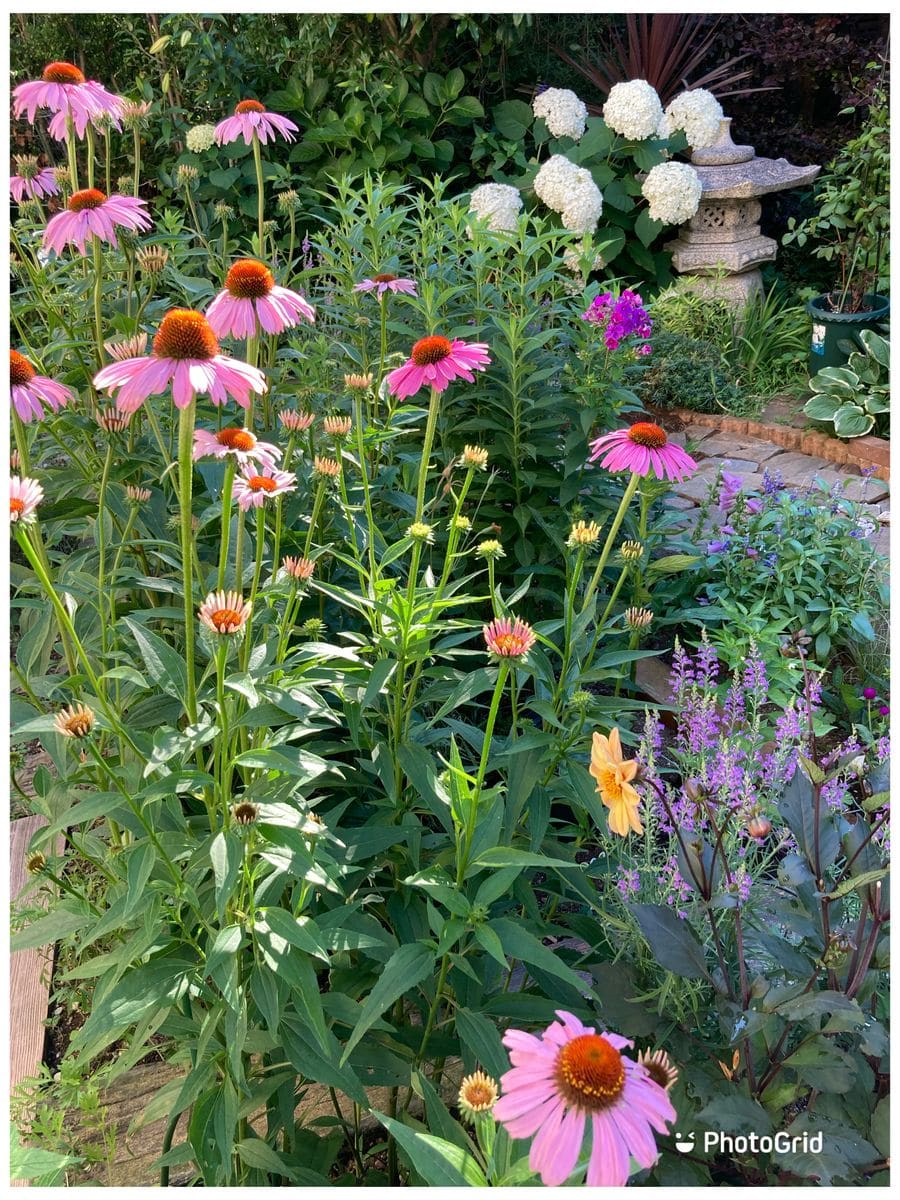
point(873, 450)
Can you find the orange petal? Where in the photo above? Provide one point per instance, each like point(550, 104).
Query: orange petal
point(615, 746)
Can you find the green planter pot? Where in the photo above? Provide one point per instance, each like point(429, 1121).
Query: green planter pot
point(830, 328)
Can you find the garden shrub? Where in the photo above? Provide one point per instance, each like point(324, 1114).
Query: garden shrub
point(688, 372)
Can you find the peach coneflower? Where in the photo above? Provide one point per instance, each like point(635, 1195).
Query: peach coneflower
point(76, 721)
point(642, 448)
point(137, 495)
point(258, 483)
point(477, 1094)
point(24, 497)
point(225, 613)
point(251, 300)
point(435, 361)
point(30, 392)
point(301, 569)
point(583, 533)
point(236, 442)
point(64, 90)
point(358, 383)
point(186, 356)
point(509, 639)
point(294, 421)
point(250, 118)
point(571, 1075)
point(475, 457)
point(90, 213)
point(614, 775)
point(111, 420)
point(337, 426)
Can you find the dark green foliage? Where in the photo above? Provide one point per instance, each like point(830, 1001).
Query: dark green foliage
point(686, 372)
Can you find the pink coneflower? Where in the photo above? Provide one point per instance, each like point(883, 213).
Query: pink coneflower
point(387, 283)
point(296, 422)
point(250, 117)
point(30, 392)
point(185, 355)
point(32, 182)
point(129, 347)
point(64, 90)
point(88, 214)
point(252, 300)
point(436, 361)
point(24, 497)
point(240, 443)
point(509, 639)
point(224, 612)
point(641, 449)
point(570, 1074)
point(254, 486)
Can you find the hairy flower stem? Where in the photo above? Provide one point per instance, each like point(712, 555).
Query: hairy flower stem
point(314, 517)
point(610, 537)
point(227, 492)
point(98, 298)
point(367, 497)
point(101, 548)
point(260, 197)
point(382, 358)
point(89, 148)
point(430, 426)
point(135, 187)
point(70, 150)
point(254, 588)
point(185, 500)
point(462, 859)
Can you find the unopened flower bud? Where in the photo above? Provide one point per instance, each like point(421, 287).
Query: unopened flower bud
point(583, 534)
point(490, 549)
point(638, 618)
point(475, 457)
point(358, 382)
point(420, 532)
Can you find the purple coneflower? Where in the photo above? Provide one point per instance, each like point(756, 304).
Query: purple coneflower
point(31, 181)
point(30, 392)
point(643, 448)
point(250, 117)
point(24, 497)
point(387, 283)
point(252, 300)
point(254, 486)
point(508, 639)
point(435, 361)
point(64, 90)
point(185, 356)
point(241, 444)
point(89, 214)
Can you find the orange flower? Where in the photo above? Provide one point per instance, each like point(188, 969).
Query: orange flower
point(614, 775)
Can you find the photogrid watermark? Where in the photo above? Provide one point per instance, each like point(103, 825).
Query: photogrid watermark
point(715, 1141)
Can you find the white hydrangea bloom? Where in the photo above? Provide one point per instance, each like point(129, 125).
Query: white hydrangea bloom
point(553, 181)
point(583, 204)
point(565, 114)
point(633, 109)
point(200, 138)
point(673, 191)
point(572, 260)
point(498, 204)
point(698, 113)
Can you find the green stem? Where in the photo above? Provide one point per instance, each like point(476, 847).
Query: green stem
point(101, 547)
point(227, 491)
point(462, 862)
point(314, 518)
point(254, 588)
point(137, 161)
point(260, 196)
point(70, 150)
point(98, 299)
point(611, 536)
point(185, 499)
point(90, 154)
point(430, 426)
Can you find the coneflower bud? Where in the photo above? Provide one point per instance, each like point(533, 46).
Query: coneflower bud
point(326, 468)
point(111, 420)
point(132, 347)
point(76, 721)
point(638, 618)
point(313, 627)
point(420, 532)
point(299, 568)
point(36, 863)
point(29, 208)
point(287, 202)
point(27, 166)
point(475, 457)
point(152, 259)
point(461, 524)
point(124, 184)
point(223, 211)
point(186, 174)
point(134, 113)
point(245, 813)
point(758, 825)
point(631, 551)
point(581, 700)
point(358, 382)
point(62, 177)
point(337, 426)
point(583, 533)
point(137, 495)
point(659, 1067)
point(15, 460)
point(477, 1094)
point(490, 549)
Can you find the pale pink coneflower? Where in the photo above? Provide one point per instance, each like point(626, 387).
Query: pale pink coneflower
point(642, 448)
point(111, 420)
point(296, 422)
point(224, 613)
point(508, 639)
point(137, 495)
point(241, 444)
point(434, 362)
point(337, 426)
point(31, 393)
point(387, 283)
point(252, 301)
point(326, 468)
point(570, 1075)
point(64, 90)
point(249, 118)
point(89, 214)
point(301, 569)
point(185, 356)
point(255, 485)
point(32, 182)
point(129, 347)
point(24, 497)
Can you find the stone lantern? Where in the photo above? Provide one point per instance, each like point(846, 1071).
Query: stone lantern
point(723, 239)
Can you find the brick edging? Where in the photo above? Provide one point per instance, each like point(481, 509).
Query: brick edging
point(861, 452)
